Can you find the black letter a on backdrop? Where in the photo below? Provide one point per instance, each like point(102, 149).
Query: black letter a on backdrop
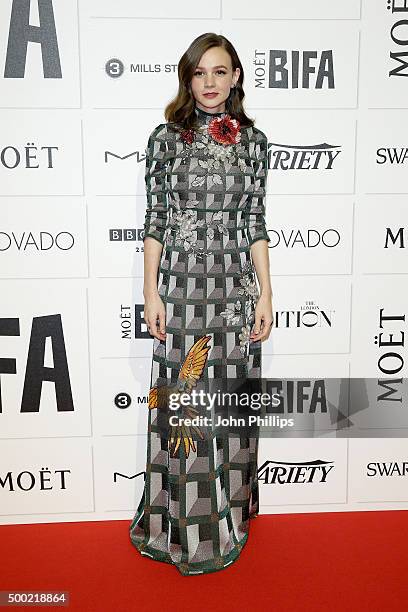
point(37, 372)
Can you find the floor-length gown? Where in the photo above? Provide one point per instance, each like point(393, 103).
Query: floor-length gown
point(206, 206)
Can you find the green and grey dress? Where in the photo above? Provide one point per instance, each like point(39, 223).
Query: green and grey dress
point(206, 206)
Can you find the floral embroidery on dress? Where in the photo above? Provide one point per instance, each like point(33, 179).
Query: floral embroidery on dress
point(235, 316)
point(223, 130)
point(185, 223)
point(219, 140)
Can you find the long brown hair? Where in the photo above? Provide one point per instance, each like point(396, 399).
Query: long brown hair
point(180, 110)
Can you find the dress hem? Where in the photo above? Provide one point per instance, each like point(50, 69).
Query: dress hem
point(228, 559)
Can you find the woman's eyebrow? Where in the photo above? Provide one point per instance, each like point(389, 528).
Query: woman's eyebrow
point(220, 66)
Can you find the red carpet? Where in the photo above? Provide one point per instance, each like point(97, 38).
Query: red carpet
point(298, 562)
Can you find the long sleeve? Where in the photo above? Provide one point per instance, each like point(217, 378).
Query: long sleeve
point(255, 210)
point(155, 181)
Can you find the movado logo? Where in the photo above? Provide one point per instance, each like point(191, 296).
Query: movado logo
point(36, 241)
point(21, 32)
point(305, 238)
point(281, 69)
point(296, 472)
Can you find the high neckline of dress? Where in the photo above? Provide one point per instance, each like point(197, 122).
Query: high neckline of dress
point(202, 114)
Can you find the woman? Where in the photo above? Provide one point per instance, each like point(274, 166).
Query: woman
point(206, 172)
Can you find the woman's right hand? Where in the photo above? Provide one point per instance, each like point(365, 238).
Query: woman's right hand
point(155, 315)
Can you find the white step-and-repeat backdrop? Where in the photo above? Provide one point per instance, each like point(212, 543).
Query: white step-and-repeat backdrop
point(83, 83)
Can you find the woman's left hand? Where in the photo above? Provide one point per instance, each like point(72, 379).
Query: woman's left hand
point(263, 319)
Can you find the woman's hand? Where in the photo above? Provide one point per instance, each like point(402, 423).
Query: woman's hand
point(155, 315)
point(263, 318)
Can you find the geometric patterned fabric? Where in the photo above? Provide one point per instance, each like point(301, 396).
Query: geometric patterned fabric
point(206, 206)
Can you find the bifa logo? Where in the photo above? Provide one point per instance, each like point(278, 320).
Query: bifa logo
point(21, 32)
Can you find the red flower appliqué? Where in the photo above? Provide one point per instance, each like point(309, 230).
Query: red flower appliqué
point(187, 135)
point(225, 130)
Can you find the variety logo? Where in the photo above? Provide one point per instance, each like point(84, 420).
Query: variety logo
point(282, 69)
point(302, 157)
point(299, 472)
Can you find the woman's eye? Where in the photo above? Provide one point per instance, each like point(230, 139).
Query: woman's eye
point(201, 72)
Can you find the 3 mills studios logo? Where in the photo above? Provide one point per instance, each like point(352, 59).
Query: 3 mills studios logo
point(116, 68)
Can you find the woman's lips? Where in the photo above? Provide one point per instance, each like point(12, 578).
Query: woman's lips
point(210, 95)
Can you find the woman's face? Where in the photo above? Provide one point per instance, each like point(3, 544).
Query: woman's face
point(213, 74)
